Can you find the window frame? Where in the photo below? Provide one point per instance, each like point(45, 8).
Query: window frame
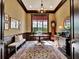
point(42, 23)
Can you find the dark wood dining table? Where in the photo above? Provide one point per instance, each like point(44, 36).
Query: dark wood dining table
point(40, 35)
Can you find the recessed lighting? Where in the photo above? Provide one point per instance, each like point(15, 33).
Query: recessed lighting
point(41, 11)
point(51, 6)
point(30, 6)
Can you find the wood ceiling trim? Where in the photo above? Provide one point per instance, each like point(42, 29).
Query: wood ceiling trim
point(36, 11)
point(59, 5)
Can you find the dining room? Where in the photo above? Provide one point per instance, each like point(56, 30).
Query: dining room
point(38, 29)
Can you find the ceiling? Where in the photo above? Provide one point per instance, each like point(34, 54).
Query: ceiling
point(33, 6)
point(36, 4)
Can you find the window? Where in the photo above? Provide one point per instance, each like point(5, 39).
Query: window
point(34, 25)
point(40, 25)
point(45, 26)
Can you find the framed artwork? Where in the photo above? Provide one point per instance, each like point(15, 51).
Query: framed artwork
point(14, 24)
point(7, 22)
point(17, 24)
point(11, 23)
point(67, 24)
point(6, 25)
point(6, 17)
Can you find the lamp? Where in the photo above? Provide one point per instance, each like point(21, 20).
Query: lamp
point(60, 27)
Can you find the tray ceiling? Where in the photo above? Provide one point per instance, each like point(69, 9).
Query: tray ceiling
point(36, 4)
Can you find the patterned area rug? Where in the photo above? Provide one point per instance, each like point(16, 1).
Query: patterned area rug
point(39, 51)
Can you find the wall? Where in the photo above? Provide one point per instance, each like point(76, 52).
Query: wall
point(28, 21)
point(62, 14)
point(14, 10)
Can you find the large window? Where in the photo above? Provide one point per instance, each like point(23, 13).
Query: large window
point(39, 24)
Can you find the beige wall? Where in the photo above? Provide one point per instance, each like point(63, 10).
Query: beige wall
point(14, 10)
point(28, 22)
point(62, 14)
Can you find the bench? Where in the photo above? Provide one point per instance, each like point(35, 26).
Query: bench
point(19, 41)
point(12, 43)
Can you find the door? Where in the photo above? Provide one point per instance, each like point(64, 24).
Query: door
point(75, 28)
point(1, 29)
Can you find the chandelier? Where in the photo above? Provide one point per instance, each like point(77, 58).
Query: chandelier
point(42, 10)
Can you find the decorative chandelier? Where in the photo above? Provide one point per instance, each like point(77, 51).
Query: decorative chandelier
point(42, 10)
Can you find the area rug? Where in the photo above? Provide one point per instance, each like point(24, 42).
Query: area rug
point(39, 52)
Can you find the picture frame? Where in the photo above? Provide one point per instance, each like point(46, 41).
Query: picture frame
point(6, 17)
point(11, 23)
point(7, 22)
point(6, 26)
point(14, 23)
point(67, 23)
point(17, 24)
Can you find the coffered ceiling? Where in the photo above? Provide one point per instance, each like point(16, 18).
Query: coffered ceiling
point(35, 5)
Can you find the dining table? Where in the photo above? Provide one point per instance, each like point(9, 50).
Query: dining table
point(40, 36)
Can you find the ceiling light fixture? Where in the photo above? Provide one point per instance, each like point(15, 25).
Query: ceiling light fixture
point(30, 6)
point(42, 7)
point(51, 6)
